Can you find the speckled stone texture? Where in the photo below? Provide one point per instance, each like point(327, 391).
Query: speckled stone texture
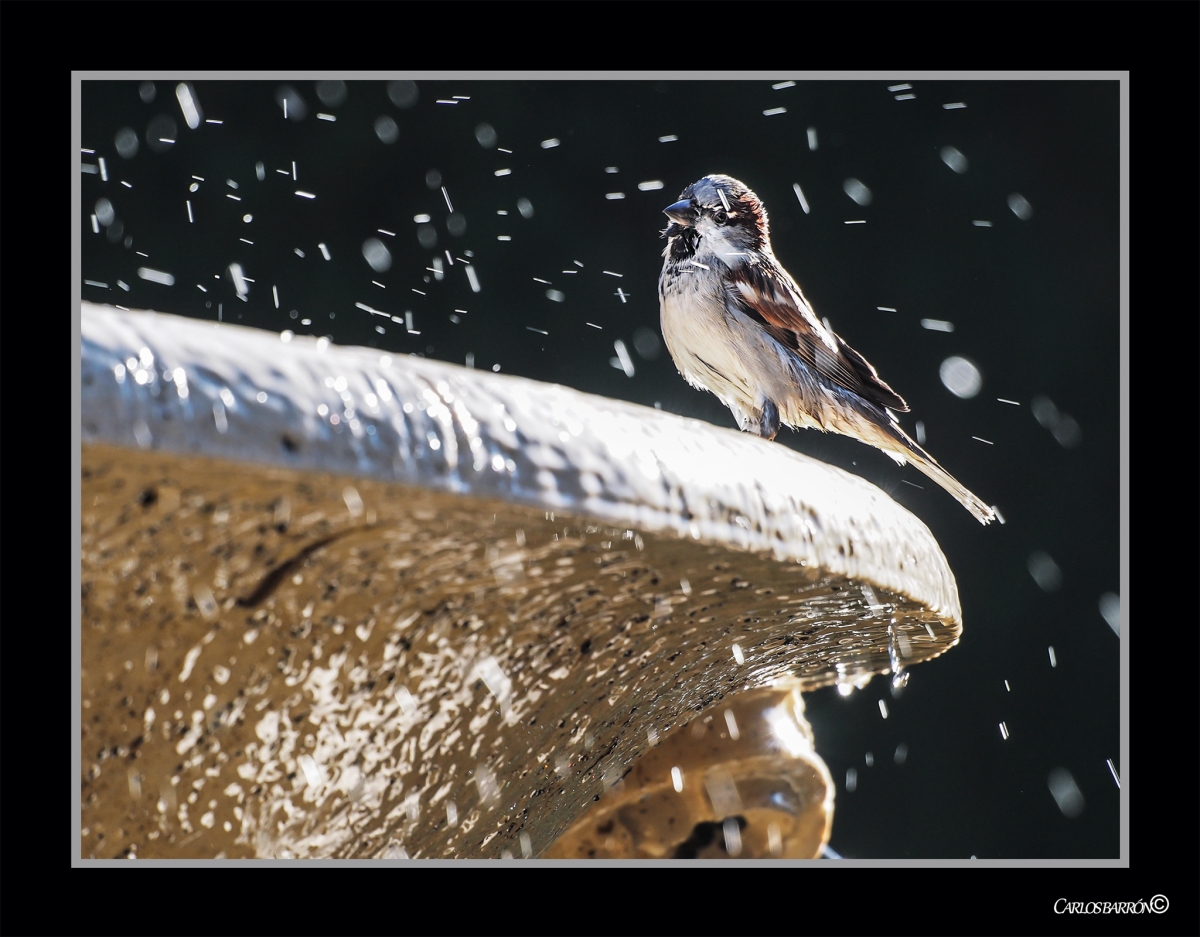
point(306, 639)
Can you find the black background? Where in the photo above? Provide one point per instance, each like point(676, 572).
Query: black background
point(1034, 303)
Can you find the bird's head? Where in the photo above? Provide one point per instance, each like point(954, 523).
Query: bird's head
point(721, 212)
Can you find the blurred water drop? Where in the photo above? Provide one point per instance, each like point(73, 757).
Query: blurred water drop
point(146, 91)
point(851, 780)
point(485, 781)
point(386, 129)
point(456, 224)
point(799, 196)
point(857, 191)
point(402, 93)
point(1044, 411)
point(331, 93)
point(525, 207)
point(141, 433)
point(433, 180)
point(647, 344)
point(899, 674)
point(1066, 793)
point(408, 702)
point(208, 608)
point(733, 836)
point(901, 755)
point(1110, 608)
point(1062, 426)
point(954, 159)
point(115, 231)
point(1045, 571)
point(126, 142)
point(499, 684)
point(486, 135)
point(1067, 432)
point(160, 133)
point(722, 792)
point(555, 296)
point(312, 771)
point(105, 213)
point(961, 377)
point(239, 279)
point(1020, 206)
point(625, 363)
point(189, 104)
point(288, 98)
point(377, 255)
point(427, 236)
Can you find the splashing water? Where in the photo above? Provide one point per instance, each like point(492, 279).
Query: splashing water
point(899, 674)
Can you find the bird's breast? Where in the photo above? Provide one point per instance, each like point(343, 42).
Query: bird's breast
point(711, 347)
point(719, 349)
point(693, 312)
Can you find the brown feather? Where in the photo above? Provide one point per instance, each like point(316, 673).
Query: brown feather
point(782, 311)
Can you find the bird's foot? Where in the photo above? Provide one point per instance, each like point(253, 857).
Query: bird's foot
point(767, 424)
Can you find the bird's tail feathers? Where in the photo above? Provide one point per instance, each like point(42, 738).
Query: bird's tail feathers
point(897, 444)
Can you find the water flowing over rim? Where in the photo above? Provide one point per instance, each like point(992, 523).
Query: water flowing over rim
point(167, 382)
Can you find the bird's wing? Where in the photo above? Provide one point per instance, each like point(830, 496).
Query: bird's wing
point(782, 311)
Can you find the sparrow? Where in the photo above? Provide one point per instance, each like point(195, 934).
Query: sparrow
point(738, 326)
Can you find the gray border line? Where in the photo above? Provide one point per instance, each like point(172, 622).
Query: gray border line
point(1124, 483)
point(77, 77)
point(76, 848)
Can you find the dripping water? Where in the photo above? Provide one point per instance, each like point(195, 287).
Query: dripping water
point(899, 674)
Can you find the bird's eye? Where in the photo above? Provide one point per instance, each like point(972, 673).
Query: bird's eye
point(720, 217)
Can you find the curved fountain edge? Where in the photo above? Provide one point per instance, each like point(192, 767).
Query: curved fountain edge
point(245, 394)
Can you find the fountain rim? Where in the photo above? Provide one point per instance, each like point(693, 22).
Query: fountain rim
point(841, 523)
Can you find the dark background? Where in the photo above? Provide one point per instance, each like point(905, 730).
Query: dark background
point(1034, 303)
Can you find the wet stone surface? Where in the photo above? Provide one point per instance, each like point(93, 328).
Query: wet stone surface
point(278, 663)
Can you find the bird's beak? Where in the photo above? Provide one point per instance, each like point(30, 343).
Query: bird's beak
point(681, 212)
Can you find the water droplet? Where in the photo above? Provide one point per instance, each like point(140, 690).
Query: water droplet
point(961, 377)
